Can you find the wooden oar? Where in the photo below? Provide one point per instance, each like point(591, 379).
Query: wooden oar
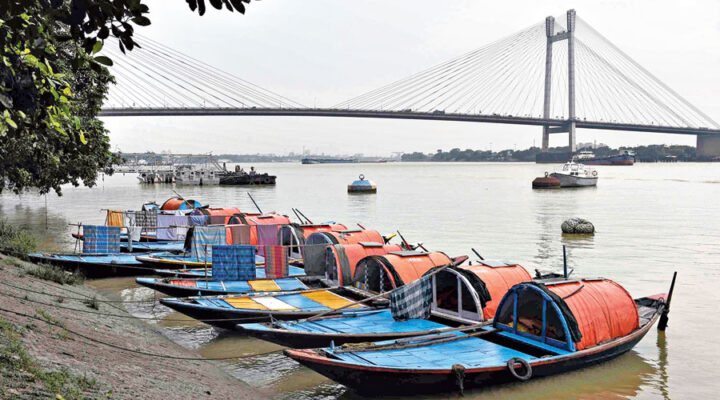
point(301, 213)
point(420, 343)
point(253, 200)
point(477, 254)
point(302, 221)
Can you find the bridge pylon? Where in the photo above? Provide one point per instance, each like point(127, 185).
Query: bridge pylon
point(552, 37)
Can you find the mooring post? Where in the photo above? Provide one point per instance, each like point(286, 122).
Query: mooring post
point(549, 33)
point(662, 325)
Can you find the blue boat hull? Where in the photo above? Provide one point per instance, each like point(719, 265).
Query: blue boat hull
point(96, 266)
point(373, 379)
point(351, 327)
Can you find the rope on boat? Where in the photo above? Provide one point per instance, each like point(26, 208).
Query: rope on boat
point(459, 371)
point(144, 353)
point(73, 298)
point(128, 315)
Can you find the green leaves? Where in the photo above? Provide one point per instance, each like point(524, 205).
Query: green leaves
point(103, 60)
point(142, 21)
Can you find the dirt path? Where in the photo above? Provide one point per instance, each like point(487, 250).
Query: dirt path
point(61, 362)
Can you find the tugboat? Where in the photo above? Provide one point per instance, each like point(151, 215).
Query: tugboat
point(362, 186)
point(576, 175)
point(240, 177)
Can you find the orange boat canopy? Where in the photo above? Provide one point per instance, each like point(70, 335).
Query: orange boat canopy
point(177, 203)
point(396, 269)
point(341, 260)
point(345, 237)
point(471, 293)
point(218, 211)
point(308, 229)
point(577, 314)
point(498, 277)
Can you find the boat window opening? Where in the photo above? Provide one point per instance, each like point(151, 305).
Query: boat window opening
point(451, 294)
point(331, 268)
point(553, 325)
point(370, 273)
point(506, 314)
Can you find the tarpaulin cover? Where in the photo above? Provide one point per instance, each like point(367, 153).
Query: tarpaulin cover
point(204, 237)
point(310, 229)
point(402, 269)
point(266, 236)
point(233, 263)
point(313, 257)
point(176, 203)
point(344, 258)
point(101, 239)
point(276, 262)
point(412, 300)
point(146, 219)
point(114, 218)
point(172, 227)
point(239, 234)
point(497, 280)
point(226, 212)
point(200, 220)
point(603, 309)
point(351, 237)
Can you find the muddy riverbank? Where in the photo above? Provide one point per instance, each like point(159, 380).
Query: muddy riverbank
point(80, 342)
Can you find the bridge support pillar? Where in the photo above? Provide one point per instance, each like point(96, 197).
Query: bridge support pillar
point(549, 32)
point(571, 78)
point(708, 146)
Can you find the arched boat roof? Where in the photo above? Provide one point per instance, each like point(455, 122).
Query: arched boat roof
point(587, 311)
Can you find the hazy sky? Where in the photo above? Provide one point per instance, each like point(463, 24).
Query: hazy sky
point(321, 52)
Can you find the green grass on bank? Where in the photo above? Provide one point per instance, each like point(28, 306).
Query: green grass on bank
point(16, 241)
point(21, 373)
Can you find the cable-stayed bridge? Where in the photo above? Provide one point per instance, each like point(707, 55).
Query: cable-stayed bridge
point(560, 74)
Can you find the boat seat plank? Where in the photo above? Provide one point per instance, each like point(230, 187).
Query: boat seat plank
point(273, 303)
point(381, 322)
point(245, 303)
point(472, 353)
point(302, 302)
point(330, 299)
point(264, 285)
point(287, 284)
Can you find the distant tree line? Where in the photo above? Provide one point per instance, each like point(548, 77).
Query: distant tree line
point(651, 153)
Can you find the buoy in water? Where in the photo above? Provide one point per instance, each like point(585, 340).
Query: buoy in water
point(362, 185)
point(546, 182)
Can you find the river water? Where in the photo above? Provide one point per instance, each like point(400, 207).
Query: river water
point(651, 220)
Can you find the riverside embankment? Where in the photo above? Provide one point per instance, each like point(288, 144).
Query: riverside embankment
point(72, 341)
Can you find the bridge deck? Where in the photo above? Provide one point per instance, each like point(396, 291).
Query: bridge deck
point(436, 116)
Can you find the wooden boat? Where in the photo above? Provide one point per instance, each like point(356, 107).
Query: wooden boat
point(227, 311)
point(463, 295)
point(409, 266)
point(96, 265)
point(202, 273)
point(539, 330)
point(188, 261)
point(174, 246)
point(202, 287)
